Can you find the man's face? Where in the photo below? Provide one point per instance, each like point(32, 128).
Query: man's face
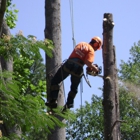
point(95, 46)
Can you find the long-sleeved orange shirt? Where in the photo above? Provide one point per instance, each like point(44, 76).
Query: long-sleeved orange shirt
point(83, 51)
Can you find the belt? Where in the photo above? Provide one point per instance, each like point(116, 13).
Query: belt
point(77, 61)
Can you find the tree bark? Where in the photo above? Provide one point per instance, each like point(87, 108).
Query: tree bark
point(53, 32)
point(6, 64)
point(2, 11)
point(110, 90)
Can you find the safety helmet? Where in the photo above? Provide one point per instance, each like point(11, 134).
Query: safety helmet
point(98, 40)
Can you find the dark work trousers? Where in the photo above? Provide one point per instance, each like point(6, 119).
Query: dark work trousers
point(71, 68)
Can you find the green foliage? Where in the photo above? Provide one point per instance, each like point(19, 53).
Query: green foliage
point(130, 70)
point(14, 46)
point(26, 111)
point(88, 123)
point(28, 67)
point(22, 96)
point(129, 112)
point(11, 14)
point(130, 94)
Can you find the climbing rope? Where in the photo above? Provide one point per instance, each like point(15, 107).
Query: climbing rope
point(74, 44)
point(72, 21)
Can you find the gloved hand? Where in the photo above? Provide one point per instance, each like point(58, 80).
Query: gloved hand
point(99, 69)
point(90, 71)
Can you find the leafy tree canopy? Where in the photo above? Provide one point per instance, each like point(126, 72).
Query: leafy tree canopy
point(11, 14)
point(129, 70)
point(88, 123)
point(22, 97)
point(130, 109)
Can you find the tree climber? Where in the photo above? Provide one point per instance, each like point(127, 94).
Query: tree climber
point(82, 54)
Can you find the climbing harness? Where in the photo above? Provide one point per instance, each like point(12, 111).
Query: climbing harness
point(56, 66)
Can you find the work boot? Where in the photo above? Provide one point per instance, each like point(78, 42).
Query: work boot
point(70, 102)
point(67, 106)
point(52, 103)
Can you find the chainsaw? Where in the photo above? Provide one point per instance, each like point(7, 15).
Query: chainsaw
point(93, 73)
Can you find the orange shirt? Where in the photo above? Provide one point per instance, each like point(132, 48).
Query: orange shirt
point(83, 51)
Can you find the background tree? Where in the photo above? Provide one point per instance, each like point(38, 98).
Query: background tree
point(2, 12)
point(53, 32)
point(92, 124)
point(4, 64)
point(130, 113)
point(88, 123)
point(130, 75)
point(24, 105)
point(130, 70)
point(24, 93)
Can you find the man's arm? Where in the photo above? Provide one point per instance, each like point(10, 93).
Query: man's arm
point(90, 65)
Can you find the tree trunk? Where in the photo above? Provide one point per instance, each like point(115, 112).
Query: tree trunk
point(3, 130)
point(2, 11)
point(110, 91)
point(53, 32)
point(5, 65)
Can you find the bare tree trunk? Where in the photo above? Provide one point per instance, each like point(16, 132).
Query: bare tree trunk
point(110, 91)
point(53, 32)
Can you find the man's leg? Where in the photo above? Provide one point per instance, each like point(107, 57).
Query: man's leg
point(60, 75)
point(74, 89)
